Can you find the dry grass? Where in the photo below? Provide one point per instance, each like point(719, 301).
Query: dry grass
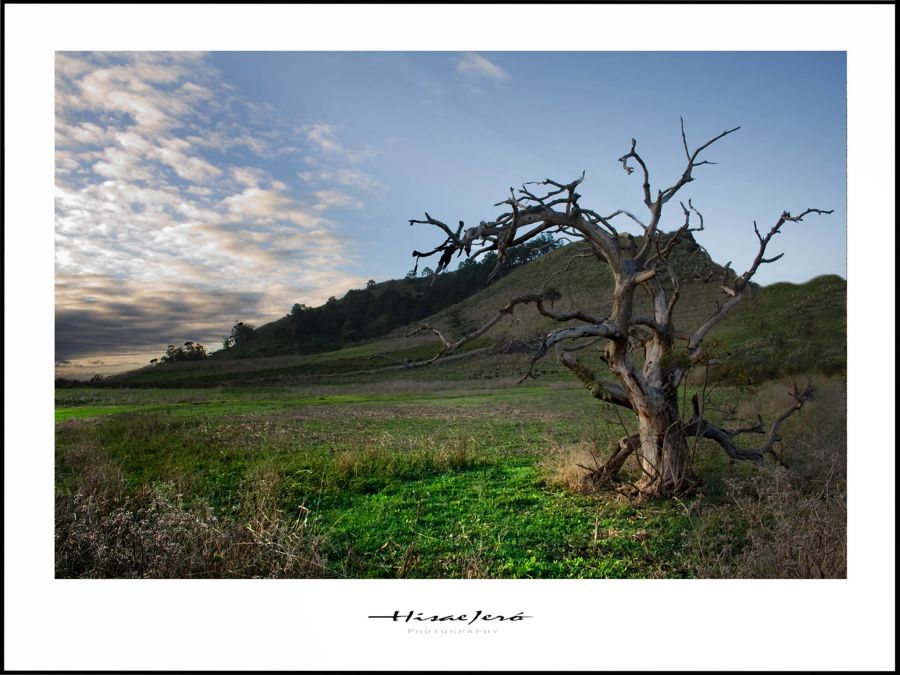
point(792, 534)
point(771, 529)
point(563, 465)
point(103, 532)
point(389, 458)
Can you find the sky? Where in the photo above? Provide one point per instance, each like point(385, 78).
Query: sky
point(196, 189)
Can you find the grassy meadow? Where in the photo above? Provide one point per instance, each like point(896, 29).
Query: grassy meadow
point(406, 478)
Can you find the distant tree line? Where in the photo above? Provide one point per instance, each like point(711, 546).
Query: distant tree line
point(378, 309)
point(71, 382)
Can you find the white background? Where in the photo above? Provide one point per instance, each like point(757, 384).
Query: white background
point(321, 624)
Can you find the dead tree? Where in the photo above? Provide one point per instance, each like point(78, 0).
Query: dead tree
point(648, 386)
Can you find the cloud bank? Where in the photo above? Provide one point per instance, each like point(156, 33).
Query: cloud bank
point(182, 206)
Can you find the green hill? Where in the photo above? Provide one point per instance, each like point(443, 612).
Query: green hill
point(779, 330)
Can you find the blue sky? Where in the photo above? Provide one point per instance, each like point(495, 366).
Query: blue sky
point(196, 189)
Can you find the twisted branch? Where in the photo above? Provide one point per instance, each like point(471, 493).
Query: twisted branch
point(740, 284)
point(697, 426)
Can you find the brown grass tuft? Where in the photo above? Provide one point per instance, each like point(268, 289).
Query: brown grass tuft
point(104, 532)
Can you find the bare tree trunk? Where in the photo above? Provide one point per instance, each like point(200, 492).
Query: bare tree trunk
point(664, 455)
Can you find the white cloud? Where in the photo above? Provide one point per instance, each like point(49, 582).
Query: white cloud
point(67, 162)
point(87, 133)
point(69, 67)
point(323, 137)
point(247, 175)
point(134, 142)
point(475, 65)
point(139, 86)
point(120, 164)
point(219, 140)
point(268, 206)
point(173, 152)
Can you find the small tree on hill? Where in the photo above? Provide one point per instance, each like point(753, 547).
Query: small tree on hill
point(241, 332)
point(646, 354)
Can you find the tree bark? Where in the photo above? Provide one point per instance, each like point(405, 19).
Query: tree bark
point(664, 455)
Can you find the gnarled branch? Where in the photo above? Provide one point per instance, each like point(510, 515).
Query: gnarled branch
point(663, 196)
point(596, 327)
point(605, 391)
point(697, 426)
point(626, 447)
point(526, 209)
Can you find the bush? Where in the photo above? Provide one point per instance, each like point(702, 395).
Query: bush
point(791, 534)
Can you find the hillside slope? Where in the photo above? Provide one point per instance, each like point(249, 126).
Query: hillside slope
point(378, 309)
point(779, 330)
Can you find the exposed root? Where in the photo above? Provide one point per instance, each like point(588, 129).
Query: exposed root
point(607, 478)
point(652, 489)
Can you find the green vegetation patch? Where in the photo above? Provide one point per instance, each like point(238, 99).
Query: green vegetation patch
point(499, 521)
point(389, 497)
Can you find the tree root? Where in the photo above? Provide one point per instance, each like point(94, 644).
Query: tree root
point(606, 477)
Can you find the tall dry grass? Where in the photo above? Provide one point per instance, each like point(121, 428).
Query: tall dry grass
point(102, 531)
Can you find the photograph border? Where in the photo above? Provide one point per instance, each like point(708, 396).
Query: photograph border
point(324, 624)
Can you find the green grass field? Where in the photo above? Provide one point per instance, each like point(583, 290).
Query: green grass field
point(395, 479)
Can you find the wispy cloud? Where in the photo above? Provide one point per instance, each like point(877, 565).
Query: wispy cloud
point(474, 65)
point(324, 138)
point(329, 199)
point(349, 177)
